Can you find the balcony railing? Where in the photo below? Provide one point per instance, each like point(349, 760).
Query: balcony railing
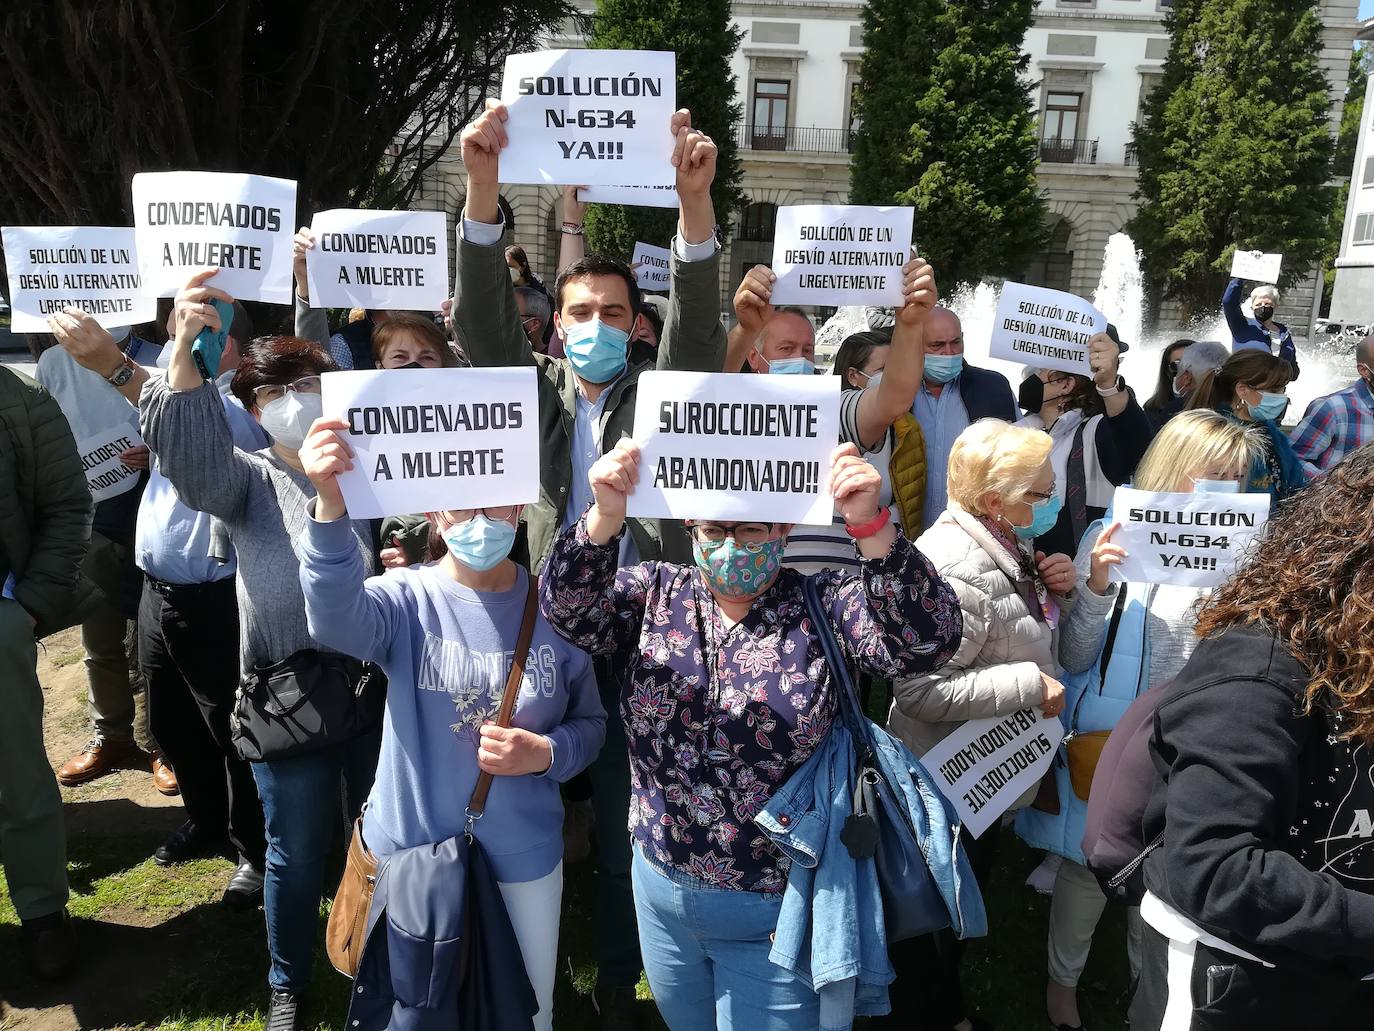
point(1068, 152)
point(794, 139)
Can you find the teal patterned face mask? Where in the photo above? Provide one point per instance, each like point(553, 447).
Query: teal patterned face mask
point(739, 571)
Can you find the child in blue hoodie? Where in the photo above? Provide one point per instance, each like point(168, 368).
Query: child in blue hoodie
point(445, 633)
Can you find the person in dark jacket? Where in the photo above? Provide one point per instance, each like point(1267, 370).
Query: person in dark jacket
point(1166, 401)
point(1258, 332)
point(1259, 908)
point(45, 528)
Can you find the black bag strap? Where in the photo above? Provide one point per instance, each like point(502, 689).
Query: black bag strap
point(1076, 490)
point(850, 709)
point(1118, 607)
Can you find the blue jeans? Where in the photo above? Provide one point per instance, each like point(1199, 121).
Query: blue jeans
point(301, 801)
point(706, 954)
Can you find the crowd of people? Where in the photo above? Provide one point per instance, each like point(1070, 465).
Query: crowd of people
point(311, 675)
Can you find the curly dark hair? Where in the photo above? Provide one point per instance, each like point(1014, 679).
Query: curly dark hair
point(1309, 580)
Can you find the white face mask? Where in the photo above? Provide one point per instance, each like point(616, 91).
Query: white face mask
point(289, 418)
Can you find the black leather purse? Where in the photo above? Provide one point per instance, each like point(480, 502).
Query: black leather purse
point(304, 703)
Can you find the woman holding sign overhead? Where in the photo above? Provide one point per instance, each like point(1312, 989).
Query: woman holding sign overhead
point(726, 694)
point(1119, 641)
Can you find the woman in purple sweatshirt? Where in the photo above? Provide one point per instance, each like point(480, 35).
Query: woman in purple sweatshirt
point(726, 694)
point(445, 634)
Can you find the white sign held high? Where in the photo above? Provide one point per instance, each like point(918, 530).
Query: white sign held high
point(1046, 329)
point(378, 259)
point(1191, 540)
point(106, 474)
point(592, 117)
point(94, 268)
point(653, 266)
point(186, 222)
point(729, 446)
point(986, 765)
point(637, 196)
point(425, 440)
point(1256, 266)
point(838, 254)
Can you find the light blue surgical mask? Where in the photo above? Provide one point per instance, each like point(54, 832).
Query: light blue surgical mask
point(1216, 486)
point(1044, 514)
point(1269, 406)
point(597, 351)
point(941, 368)
point(792, 367)
point(480, 543)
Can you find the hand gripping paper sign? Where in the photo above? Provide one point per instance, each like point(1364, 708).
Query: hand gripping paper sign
point(653, 266)
point(591, 117)
point(1256, 266)
point(725, 446)
point(428, 440)
point(185, 222)
point(378, 259)
point(1189, 540)
point(1045, 329)
point(94, 268)
point(985, 765)
point(838, 254)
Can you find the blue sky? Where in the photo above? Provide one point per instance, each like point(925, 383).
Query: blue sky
point(1366, 8)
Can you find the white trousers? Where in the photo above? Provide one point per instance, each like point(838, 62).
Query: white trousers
point(1074, 912)
point(534, 908)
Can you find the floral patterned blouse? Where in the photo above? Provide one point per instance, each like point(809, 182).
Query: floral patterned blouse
point(718, 717)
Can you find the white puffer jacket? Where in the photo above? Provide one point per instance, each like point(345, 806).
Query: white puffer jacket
point(1004, 649)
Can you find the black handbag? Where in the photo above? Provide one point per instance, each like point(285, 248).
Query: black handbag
point(304, 703)
point(878, 826)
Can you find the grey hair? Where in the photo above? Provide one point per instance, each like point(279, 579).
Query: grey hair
point(536, 304)
point(1203, 357)
point(1271, 292)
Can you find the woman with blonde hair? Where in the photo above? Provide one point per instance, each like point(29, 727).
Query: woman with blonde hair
point(1001, 496)
point(1119, 641)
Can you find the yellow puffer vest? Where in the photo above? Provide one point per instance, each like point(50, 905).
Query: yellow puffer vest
point(907, 471)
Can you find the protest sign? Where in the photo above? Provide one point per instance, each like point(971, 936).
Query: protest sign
point(1191, 540)
point(427, 440)
point(106, 475)
point(1256, 266)
point(185, 222)
point(1046, 329)
point(94, 268)
point(593, 117)
point(638, 196)
point(653, 266)
point(985, 765)
point(728, 446)
point(840, 254)
point(378, 259)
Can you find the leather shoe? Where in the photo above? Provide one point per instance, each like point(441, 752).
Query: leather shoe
point(618, 1009)
point(284, 1012)
point(186, 843)
point(244, 891)
point(49, 944)
point(164, 778)
point(95, 759)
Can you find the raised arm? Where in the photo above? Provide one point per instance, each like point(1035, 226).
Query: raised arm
point(311, 323)
point(879, 407)
point(753, 309)
point(572, 240)
point(91, 346)
point(1235, 318)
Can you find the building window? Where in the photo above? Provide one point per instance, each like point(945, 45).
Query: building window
point(771, 98)
point(1368, 179)
point(1364, 230)
point(1061, 116)
point(758, 222)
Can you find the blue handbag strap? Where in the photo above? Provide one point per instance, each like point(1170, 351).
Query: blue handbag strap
point(851, 711)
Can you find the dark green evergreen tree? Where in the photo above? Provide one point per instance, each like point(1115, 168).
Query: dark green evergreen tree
point(702, 35)
point(1235, 149)
point(946, 126)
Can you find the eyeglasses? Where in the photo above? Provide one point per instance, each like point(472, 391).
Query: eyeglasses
point(1171, 369)
point(1039, 496)
point(746, 534)
point(500, 514)
point(269, 392)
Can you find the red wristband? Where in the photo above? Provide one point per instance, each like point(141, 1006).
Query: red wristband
point(870, 528)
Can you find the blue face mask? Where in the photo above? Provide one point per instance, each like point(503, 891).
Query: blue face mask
point(1269, 406)
point(1216, 486)
point(597, 351)
point(792, 367)
point(941, 368)
point(480, 543)
point(1044, 514)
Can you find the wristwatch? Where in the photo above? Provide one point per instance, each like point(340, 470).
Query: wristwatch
point(124, 371)
point(1114, 389)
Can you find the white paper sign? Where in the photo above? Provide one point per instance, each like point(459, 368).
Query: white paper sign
point(592, 117)
point(638, 196)
point(1191, 540)
point(986, 765)
point(106, 475)
point(652, 266)
point(739, 447)
point(427, 440)
point(186, 222)
point(1256, 266)
point(378, 259)
point(1046, 329)
point(840, 254)
point(94, 268)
